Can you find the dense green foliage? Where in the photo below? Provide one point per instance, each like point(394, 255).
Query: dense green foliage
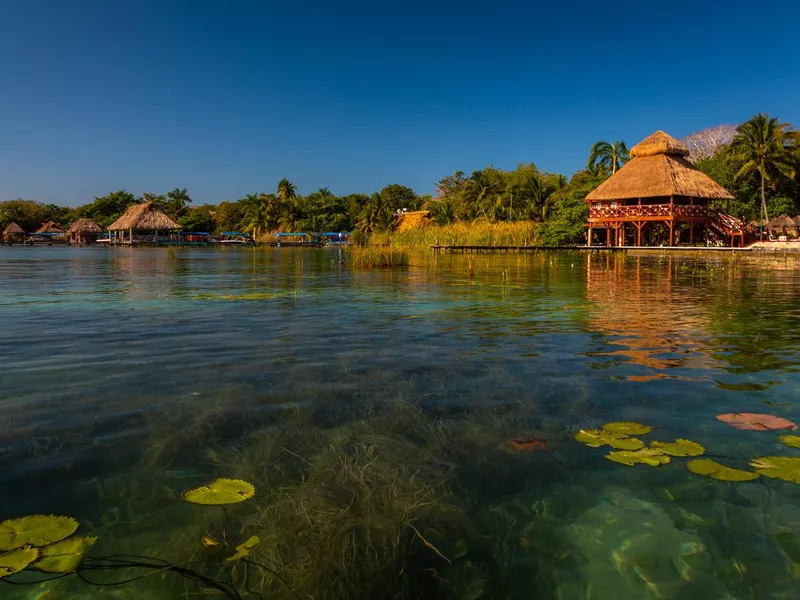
point(760, 167)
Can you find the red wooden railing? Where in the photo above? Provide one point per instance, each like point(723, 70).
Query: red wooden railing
point(606, 211)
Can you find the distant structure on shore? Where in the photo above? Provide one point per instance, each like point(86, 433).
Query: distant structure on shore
point(659, 198)
point(142, 224)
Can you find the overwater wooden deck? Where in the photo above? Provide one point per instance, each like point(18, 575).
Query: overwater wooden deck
point(455, 249)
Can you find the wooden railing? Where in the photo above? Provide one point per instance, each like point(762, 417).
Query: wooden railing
point(645, 211)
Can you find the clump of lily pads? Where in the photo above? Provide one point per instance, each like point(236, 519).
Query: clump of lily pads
point(40, 542)
point(631, 451)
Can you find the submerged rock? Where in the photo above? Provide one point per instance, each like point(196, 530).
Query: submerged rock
point(631, 549)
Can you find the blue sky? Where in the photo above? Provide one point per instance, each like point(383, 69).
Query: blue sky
point(226, 97)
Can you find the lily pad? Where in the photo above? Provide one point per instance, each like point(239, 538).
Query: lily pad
point(600, 437)
point(778, 467)
point(627, 428)
point(645, 456)
point(64, 556)
point(221, 491)
point(793, 441)
point(35, 530)
point(243, 549)
point(679, 447)
point(756, 421)
point(16, 561)
point(714, 470)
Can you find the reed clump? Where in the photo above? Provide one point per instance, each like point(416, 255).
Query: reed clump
point(378, 257)
point(515, 233)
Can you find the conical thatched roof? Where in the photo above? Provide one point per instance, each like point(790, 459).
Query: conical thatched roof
point(13, 228)
point(143, 216)
point(782, 221)
point(84, 226)
point(50, 227)
point(658, 168)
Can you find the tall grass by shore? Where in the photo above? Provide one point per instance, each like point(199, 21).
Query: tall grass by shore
point(520, 233)
point(378, 257)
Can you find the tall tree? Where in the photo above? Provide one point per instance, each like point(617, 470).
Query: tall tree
point(175, 204)
point(764, 145)
point(608, 156)
point(286, 191)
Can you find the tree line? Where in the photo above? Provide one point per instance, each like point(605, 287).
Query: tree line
point(759, 162)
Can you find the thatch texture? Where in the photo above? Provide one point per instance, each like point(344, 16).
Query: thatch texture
point(13, 229)
point(143, 216)
point(783, 222)
point(659, 143)
point(412, 220)
point(658, 168)
point(84, 226)
point(50, 227)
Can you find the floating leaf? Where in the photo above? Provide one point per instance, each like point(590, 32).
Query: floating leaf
point(221, 491)
point(756, 422)
point(714, 470)
point(243, 549)
point(16, 561)
point(679, 447)
point(64, 556)
point(627, 428)
point(778, 467)
point(599, 437)
point(645, 456)
point(35, 530)
point(793, 441)
point(527, 443)
point(208, 541)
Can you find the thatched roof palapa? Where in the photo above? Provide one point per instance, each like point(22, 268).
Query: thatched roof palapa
point(84, 226)
point(783, 221)
point(50, 227)
point(143, 216)
point(658, 168)
point(13, 228)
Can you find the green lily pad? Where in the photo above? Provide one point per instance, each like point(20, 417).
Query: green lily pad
point(679, 447)
point(221, 491)
point(778, 467)
point(599, 437)
point(627, 428)
point(64, 556)
point(16, 561)
point(714, 470)
point(35, 530)
point(243, 549)
point(645, 456)
point(793, 441)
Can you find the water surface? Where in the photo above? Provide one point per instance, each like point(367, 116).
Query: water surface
point(371, 409)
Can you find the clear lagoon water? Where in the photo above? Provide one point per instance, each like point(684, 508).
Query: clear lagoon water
point(371, 410)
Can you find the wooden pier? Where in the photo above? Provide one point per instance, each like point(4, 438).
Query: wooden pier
point(453, 249)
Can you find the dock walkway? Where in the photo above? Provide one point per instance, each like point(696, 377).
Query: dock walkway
point(454, 249)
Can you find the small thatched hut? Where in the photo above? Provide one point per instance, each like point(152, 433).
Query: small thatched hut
point(657, 190)
point(50, 227)
point(784, 225)
point(142, 223)
point(13, 233)
point(84, 231)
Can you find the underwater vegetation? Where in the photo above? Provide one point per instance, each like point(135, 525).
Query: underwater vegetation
point(395, 501)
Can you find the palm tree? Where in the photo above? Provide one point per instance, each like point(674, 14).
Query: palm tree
point(286, 190)
point(176, 202)
point(764, 146)
point(609, 157)
point(259, 217)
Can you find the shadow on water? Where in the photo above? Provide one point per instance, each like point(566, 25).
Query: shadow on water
point(371, 410)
